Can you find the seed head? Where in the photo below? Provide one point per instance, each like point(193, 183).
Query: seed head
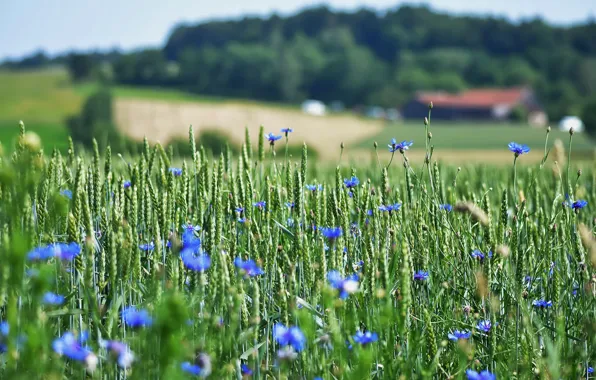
point(430, 105)
point(474, 211)
point(425, 120)
point(548, 129)
point(376, 145)
point(430, 135)
point(571, 131)
point(32, 142)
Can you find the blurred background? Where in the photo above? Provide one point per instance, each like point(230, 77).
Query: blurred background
point(341, 71)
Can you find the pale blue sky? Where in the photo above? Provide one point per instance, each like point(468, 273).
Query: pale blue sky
point(59, 25)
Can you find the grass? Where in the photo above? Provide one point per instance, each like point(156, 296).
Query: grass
point(43, 99)
point(171, 95)
point(477, 136)
point(52, 134)
point(37, 96)
point(231, 264)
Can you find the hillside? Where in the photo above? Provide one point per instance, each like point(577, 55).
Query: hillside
point(43, 99)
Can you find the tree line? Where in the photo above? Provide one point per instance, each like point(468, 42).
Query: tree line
point(360, 58)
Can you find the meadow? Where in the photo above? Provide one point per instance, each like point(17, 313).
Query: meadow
point(261, 266)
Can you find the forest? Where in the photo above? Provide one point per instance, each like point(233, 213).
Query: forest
point(364, 57)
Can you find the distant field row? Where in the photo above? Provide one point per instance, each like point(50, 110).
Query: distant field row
point(45, 99)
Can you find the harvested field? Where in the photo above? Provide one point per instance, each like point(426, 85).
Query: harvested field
point(162, 121)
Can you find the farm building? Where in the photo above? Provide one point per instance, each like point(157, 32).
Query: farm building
point(477, 104)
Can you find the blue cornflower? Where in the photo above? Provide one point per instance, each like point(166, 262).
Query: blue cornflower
point(136, 318)
point(67, 193)
point(447, 207)
point(290, 204)
point(579, 204)
point(261, 204)
point(72, 348)
point(484, 325)
point(246, 371)
point(518, 149)
point(249, 267)
point(352, 182)
point(195, 260)
point(62, 251)
point(477, 254)
point(290, 222)
point(201, 367)
point(67, 251)
point(484, 375)
point(527, 279)
point(365, 338)
point(314, 187)
point(242, 220)
point(4, 330)
point(50, 298)
point(147, 246)
point(176, 171)
point(421, 275)
point(126, 184)
point(41, 253)
point(457, 335)
point(542, 303)
point(331, 233)
point(345, 286)
point(119, 350)
point(402, 146)
point(272, 138)
point(239, 209)
point(190, 241)
point(390, 208)
point(590, 370)
point(289, 336)
point(286, 131)
point(189, 227)
point(369, 212)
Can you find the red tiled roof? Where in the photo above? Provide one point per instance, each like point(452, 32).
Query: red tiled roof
point(478, 98)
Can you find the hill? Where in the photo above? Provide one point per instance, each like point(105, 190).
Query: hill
point(364, 57)
point(43, 99)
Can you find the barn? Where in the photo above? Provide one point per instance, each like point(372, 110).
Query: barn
point(477, 105)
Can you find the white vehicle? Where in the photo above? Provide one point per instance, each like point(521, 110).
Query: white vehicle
point(569, 122)
point(314, 107)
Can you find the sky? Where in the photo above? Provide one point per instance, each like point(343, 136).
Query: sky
point(62, 25)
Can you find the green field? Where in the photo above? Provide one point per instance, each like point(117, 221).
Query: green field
point(235, 268)
point(476, 136)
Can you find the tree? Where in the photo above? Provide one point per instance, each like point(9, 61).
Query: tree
point(589, 116)
point(80, 66)
point(95, 122)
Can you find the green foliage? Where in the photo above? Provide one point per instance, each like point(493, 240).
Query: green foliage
point(80, 66)
point(588, 116)
point(95, 121)
point(213, 141)
point(519, 115)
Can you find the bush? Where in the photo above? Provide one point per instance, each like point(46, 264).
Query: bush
point(519, 114)
point(589, 117)
point(212, 140)
point(96, 122)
